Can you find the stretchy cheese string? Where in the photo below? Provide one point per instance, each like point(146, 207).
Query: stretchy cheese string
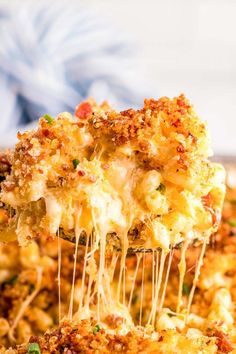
point(59, 275)
point(182, 271)
point(112, 267)
point(142, 290)
point(156, 273)
point(139, 257)
point(83, 275)
point(25, 304)
point(153, 274)
point(77, 237)
point(166, 280)
point(196, 275)
point(124, 248)
point(153, 313)
point(90, 281)
point(101, 271)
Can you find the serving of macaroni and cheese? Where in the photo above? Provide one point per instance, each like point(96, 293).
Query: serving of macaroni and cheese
point(110, 182)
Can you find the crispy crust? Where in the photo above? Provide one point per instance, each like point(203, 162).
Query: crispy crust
point(164, 117)
point(80, 338)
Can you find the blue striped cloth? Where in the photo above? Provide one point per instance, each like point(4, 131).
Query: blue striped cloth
point(53, 54)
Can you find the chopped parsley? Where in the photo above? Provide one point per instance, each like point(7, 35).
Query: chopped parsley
point(232, 222)
point(134, 299)
point(161, 188)
point(48, 118)
point(33, 348)
point(96, 329)
point(186, 289)
point(11, 281)
point(31, 287)
point(75, 163)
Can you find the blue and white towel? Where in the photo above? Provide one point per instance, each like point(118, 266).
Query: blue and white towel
point(53, 54)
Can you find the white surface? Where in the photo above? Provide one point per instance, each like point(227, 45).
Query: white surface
point(187, 46)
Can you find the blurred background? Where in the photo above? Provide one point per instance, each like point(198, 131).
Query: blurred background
point(143, 48)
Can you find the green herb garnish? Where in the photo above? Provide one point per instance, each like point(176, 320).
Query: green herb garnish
point(31, 287)
point(232, 222)
point(96, 329)
point(33, 348)
point(161, 188)
point(11, 281)
point(75, 163)
point(134, 299)
point(48, 118)
point(186, 289)
point(170, 314)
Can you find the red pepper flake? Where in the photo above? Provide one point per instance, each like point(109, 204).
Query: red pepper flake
point(81, 173)
point(83, 110)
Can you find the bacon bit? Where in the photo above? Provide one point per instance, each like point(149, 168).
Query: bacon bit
point(223, 342)
point(207, 201)
point(105, 166)
point(183, 163)
point(83, 110)
point(181, 103)
point(48, 134)
point(180, 148)
point(81, 173)
point(176, 123)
